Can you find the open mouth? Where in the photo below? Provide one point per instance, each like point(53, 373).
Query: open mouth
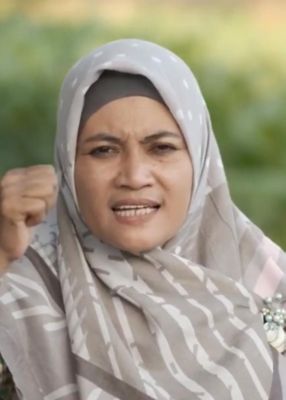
point(127, 211)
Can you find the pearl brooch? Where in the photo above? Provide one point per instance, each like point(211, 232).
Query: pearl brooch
point(274, 319)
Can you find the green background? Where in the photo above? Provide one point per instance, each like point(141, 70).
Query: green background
point(238, 54)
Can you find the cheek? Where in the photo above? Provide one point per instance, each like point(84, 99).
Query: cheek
point(88, 188)
point(87, 176)
point(93, 187)
point(81, 182)
point(182, 196)
point(180, 183)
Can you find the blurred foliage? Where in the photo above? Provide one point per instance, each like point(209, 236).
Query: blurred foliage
point(238, 58)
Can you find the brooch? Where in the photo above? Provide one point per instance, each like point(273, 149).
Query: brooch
point(274, 322)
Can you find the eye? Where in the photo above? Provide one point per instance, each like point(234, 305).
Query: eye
point(163, 148)
point(103, 151)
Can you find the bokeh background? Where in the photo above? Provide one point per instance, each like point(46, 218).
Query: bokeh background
point(235, 48)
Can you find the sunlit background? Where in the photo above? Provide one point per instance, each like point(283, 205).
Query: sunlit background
point(236, 49)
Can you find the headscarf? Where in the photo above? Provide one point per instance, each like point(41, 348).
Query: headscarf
point(84, 320)
point(114, 85)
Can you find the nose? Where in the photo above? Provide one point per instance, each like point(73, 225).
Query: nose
point(135, 171)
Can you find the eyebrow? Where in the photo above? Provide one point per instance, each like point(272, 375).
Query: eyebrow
point(102, 136)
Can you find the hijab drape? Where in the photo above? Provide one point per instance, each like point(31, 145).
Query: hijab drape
point(83, 320)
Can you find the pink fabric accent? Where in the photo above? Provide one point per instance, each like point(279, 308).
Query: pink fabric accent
point(269, 279)
point(271, 248)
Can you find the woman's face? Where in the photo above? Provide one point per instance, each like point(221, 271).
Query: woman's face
point(133, 174)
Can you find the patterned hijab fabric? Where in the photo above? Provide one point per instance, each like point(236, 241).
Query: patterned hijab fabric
point(83, 320)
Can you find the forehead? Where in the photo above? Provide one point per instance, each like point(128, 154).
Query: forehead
point(134, 113)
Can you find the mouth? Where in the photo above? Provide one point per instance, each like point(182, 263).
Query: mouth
point(136, 212)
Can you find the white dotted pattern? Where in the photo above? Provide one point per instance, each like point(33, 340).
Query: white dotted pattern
point(180, 114)
point(185, 83)
point(219, 163)
point(156, 60)
point(178, 250)
point(74, 82)
point(190, 115)
point(98, 54)
point(173, 58)
point(107, 64)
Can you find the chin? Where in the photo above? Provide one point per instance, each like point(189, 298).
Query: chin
point(137, 247)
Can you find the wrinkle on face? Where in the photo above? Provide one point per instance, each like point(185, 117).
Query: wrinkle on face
point(132, 148)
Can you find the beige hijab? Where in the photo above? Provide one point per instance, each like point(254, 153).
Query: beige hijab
point(82, 320)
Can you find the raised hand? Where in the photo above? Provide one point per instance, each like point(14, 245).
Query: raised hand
point(26, 195)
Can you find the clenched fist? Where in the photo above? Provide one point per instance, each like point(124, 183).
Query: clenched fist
point(26, 195)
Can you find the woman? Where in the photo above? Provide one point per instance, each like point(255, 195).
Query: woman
point(147, 283)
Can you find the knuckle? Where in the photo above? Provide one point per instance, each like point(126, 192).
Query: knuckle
point(53, 183)
point(41, 173)
point(53, 175)
point(12, 172)
point(11, 177)
point(7, 178)
point(39, 168)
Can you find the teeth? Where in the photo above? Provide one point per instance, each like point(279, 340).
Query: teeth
point(130, 207)
point(134, 212)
